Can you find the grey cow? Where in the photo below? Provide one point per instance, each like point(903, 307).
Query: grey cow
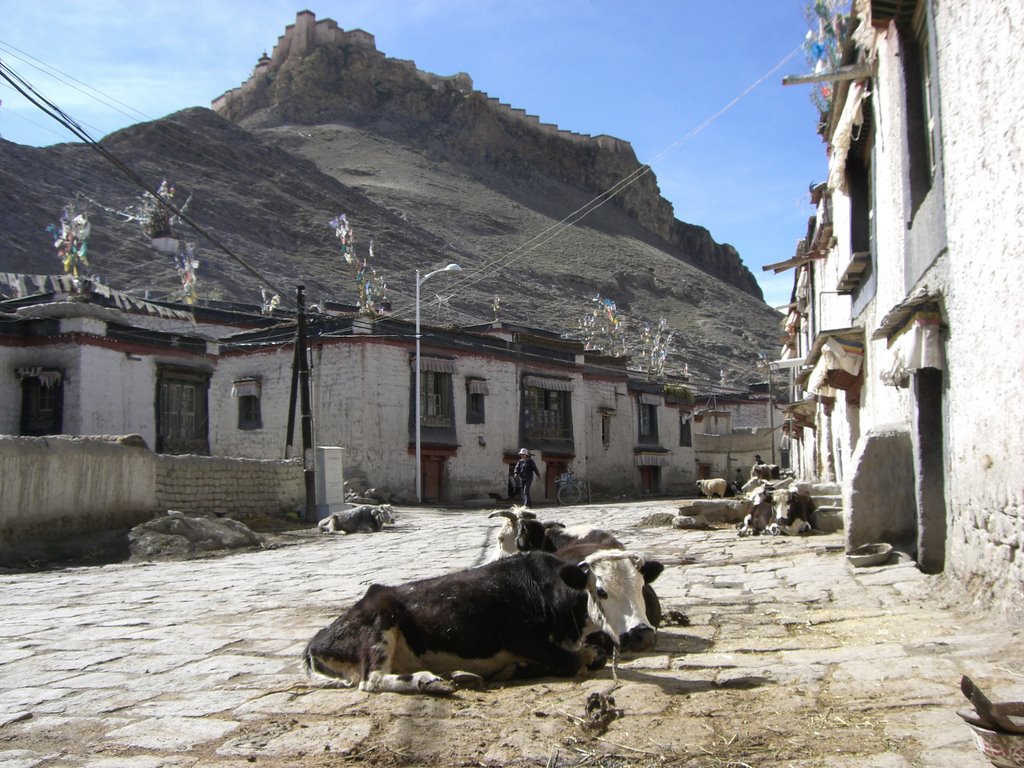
point(365, 518)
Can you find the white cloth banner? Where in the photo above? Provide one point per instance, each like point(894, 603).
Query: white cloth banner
point(842, 137)
point(920, 346)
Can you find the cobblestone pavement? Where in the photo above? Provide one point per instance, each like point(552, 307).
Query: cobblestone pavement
point(790, 657)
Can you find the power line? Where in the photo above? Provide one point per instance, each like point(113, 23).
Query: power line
point(28, 92)
point(580, 213)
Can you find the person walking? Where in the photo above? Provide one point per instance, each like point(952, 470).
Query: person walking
point(525, 471)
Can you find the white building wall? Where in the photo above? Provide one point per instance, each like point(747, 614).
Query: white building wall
point(113, 394)
point(274, 368)
point(979, 274)
point(980, 70)
point(611, 466)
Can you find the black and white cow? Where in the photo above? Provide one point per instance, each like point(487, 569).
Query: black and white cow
point(516, 617)
point(761, 517)
point(523, 532)
point(792, 511)
point(365, 518)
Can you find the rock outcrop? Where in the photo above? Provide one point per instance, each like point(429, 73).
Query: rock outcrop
point(320, 74)
point(426, 167)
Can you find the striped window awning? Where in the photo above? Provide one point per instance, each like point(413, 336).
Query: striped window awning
point(434, 364)
point(245, 388)
point(538, 382)
point(652, 459)
point(649, 399)
point(477, 387)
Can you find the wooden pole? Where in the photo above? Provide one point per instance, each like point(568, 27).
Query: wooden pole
point(308, 457)
point(850, 72)
point(292, 400)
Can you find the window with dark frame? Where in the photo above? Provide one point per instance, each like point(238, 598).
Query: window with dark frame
point(917, 72)
point(248, 393)
point(648, 422)
point(685, 431)
point(42, 402)
point(182, 415)
point(476, 392)
point(606, 428)
point(249, 412)
point(436, 399)
point(547, 414)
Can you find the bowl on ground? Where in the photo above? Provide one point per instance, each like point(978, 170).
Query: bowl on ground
point(869, 554)
point(1001, 748)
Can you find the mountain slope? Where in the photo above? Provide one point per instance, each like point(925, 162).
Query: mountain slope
point(428, 169)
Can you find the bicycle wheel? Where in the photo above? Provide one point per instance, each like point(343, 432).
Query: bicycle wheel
point(569, 493)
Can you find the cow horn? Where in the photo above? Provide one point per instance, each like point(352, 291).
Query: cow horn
point(504, 513)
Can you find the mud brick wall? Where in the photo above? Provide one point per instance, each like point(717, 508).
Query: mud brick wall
point(237, 488)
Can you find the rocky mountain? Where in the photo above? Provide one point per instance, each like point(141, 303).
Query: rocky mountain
point(427, 168)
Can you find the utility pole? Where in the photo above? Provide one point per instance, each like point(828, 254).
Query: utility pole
point(292, 398)
point(771, 400)
point(308, 458)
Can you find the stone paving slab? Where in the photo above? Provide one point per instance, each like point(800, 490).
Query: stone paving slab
point(196, 663)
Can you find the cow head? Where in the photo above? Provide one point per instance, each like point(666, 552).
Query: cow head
point(522, 532)
point(383, 514)
point(614, 581)
point(791, 511)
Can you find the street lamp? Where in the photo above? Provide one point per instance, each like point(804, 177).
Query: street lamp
point(420, 281)
point(771, 401)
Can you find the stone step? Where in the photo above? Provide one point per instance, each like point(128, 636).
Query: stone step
point(825, 489)
point(827, 500)
point(827, 519)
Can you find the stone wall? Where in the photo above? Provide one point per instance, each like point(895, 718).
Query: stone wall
point(64, 495)
point(237, 488)
point(60, 494)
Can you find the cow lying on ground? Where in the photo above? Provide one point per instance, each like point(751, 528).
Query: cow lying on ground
point(715, 486)
point(792, 511)
point(523, 532)
point(365, 518)
point(762, 512)
point(516, 617)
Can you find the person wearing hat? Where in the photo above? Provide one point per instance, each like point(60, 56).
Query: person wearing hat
point(524, 472)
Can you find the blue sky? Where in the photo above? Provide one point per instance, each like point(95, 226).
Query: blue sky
point(652, 72)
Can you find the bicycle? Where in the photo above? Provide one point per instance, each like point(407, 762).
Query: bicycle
point(570, 490)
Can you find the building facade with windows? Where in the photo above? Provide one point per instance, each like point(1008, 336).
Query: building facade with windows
point(200, 381)
point(902, 338)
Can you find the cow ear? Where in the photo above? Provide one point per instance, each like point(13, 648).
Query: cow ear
point(575, 576)
point(651, 570)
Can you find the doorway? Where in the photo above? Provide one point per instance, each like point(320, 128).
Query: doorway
point(433, 469)
point(650, 479)
point(931, 479)
point(553, 468)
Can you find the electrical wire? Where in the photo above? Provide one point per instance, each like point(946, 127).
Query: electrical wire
point(580, 213)
point(478, 274)
point(33, 96)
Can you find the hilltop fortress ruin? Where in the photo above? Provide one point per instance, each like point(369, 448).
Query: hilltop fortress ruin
point(319, 74)
point(307, 34)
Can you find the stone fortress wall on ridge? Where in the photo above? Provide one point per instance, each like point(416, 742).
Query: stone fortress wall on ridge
point(308, 33)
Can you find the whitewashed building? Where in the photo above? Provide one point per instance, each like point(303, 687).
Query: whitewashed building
point(206, 381)
point(904, 340)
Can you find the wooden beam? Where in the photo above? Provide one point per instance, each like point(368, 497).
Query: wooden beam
point(850, 72)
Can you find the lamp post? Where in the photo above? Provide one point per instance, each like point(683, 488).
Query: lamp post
point(420, 281)
point(771, 402)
